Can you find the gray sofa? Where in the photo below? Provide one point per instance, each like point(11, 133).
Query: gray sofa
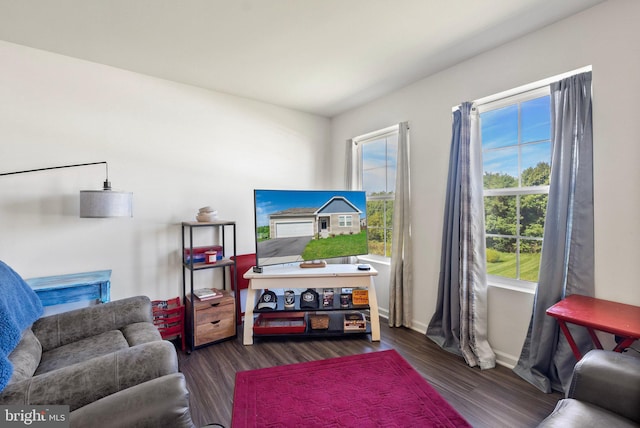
point(107, 362)
point(604, 392)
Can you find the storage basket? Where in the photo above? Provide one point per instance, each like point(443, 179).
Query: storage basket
point(168, 317)
point(319, 321)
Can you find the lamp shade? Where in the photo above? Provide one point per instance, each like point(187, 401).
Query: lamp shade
point(105, 203)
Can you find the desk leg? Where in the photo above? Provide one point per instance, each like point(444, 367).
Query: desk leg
point(572, 343)
point(624, 344)
point(373, 312)
point(248, 316)
point(594, 338)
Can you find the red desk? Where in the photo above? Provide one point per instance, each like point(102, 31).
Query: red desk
point(596, 314)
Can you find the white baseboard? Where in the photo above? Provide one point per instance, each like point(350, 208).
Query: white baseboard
point(506, 360)
point(502, 358)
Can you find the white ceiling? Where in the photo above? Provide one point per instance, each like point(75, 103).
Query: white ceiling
point(317, 56)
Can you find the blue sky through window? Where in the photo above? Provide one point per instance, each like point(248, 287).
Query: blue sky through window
point(505, 151)
point(500, 127)
point(379, 160)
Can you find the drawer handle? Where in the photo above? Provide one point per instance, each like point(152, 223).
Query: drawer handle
point(213, 305)
point(215, 322)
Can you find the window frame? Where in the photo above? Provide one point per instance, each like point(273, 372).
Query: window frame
point(345, 220)
point(357, 144)
point(493, 104)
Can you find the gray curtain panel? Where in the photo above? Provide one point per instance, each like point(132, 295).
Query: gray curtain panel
point(400, 278)
point(444, 328)
point(459, 324)
point(567, 260)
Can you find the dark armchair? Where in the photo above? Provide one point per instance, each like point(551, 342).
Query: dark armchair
point(604, 392)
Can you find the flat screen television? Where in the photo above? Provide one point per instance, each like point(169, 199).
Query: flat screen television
point(304, 225)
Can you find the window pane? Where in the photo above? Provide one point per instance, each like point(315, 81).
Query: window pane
point(388, 247)
point(501, 257)
point(536, 164)
point(374, 154)
point(530, 259)
point(500, 168)
point(376, 240)
point(500, 127)
point(375, 214)
point(388, 223)
point(379, 157)
point(532, 212)
point(536, 119)
point(392, 160)
point(500, 215)
point(379, 165)
point(374, 180)
point(516, 151)
point(374, 167)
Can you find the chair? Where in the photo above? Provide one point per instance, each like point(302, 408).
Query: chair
point(604, 392)
point(243, 262)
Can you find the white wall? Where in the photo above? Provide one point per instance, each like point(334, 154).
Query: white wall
point(605, 37)
point(178, 148)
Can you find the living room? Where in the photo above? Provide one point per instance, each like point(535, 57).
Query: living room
point(179, 147)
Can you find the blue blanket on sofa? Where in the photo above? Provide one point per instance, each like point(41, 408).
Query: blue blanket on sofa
point(20, 306)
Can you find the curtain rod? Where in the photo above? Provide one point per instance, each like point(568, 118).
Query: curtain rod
point(378, 134)
point(526, 88)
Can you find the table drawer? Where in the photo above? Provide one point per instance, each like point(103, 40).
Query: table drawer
point(214, 313)
point(218, 329)
point(214, 319)
point(226, 299)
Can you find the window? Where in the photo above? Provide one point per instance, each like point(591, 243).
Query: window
point(376, 166)
point(345, 221)
point(516, 155)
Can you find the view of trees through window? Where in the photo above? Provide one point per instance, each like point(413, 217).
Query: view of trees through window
point(379, 158)
point(516, 147)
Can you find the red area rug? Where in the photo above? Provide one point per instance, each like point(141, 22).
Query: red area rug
point(378, 389)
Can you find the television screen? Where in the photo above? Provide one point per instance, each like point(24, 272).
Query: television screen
point(304, 225)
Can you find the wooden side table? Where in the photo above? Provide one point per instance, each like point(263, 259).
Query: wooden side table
point(212, 321)
point(596, 314)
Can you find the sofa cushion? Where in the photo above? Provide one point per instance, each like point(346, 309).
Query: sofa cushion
point(26, 356)
point(574, 413)
point(82, 350)
point(140, 332)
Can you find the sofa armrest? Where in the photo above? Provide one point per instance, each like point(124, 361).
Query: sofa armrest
point(161, 402)
point(609, 380)
point(57, 330)
point(80, 384)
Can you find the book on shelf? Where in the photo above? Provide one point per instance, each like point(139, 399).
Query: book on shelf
point(207, 293)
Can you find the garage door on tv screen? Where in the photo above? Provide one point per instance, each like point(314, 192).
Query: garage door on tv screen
point(302, 225)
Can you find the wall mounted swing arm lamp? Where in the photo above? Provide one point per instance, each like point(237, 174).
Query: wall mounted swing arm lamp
point(96, 203)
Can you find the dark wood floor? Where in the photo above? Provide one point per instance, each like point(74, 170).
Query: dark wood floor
point(489, 398)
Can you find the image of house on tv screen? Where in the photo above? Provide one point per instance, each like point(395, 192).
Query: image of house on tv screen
point(302, 225)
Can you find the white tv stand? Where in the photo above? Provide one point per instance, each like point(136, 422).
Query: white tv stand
point(334, 276)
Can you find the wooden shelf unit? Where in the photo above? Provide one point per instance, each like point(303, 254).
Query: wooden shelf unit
point(336, 276)
point(197, 335)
